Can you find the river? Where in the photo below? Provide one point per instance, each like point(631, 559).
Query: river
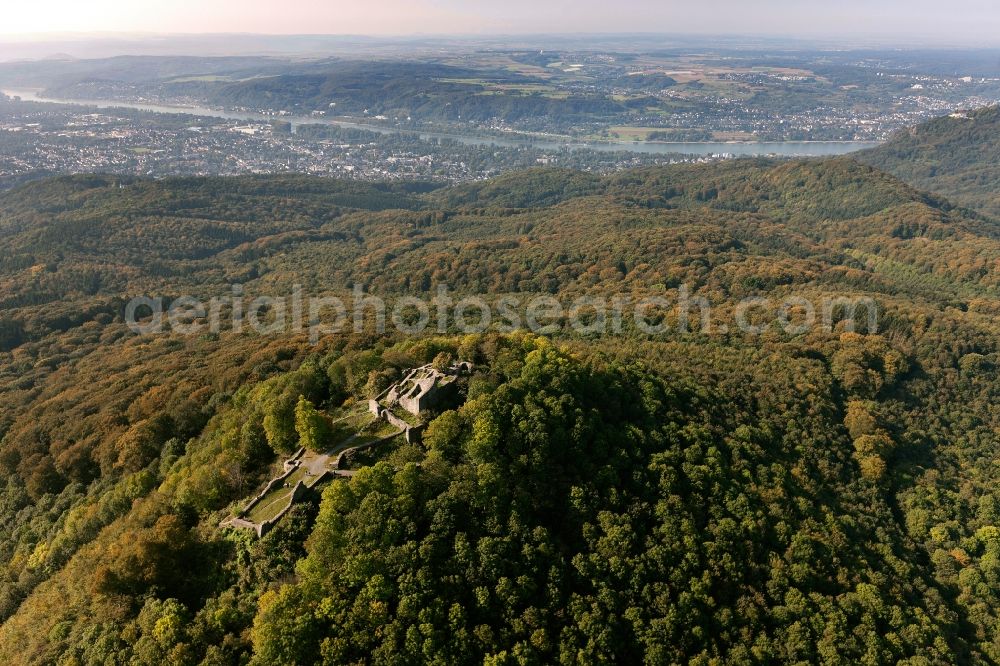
point(737, 148)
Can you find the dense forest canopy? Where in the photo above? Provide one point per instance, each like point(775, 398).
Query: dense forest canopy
point(819, 496)
point(955, 156)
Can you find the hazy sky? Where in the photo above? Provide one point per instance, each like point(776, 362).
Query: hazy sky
point(953, 21)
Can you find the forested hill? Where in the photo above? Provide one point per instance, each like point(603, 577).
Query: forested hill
point(957, 156)
point(735, 228)
point(394, 89)
point(718, 497)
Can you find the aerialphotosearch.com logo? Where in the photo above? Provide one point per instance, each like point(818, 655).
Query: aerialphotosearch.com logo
point(319, 316)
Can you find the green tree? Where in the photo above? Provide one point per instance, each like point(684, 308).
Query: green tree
point(313, 427)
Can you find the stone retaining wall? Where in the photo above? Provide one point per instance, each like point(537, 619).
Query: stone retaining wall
point(361, 447)
point(291, 462)
point(413, 434)
point(298, 491)
point(268, 488)
point(395, 420)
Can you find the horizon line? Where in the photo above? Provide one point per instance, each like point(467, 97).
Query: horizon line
point(797, 37)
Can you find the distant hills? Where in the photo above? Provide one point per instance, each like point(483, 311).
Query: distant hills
point(420, 90)
point(396, 89)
